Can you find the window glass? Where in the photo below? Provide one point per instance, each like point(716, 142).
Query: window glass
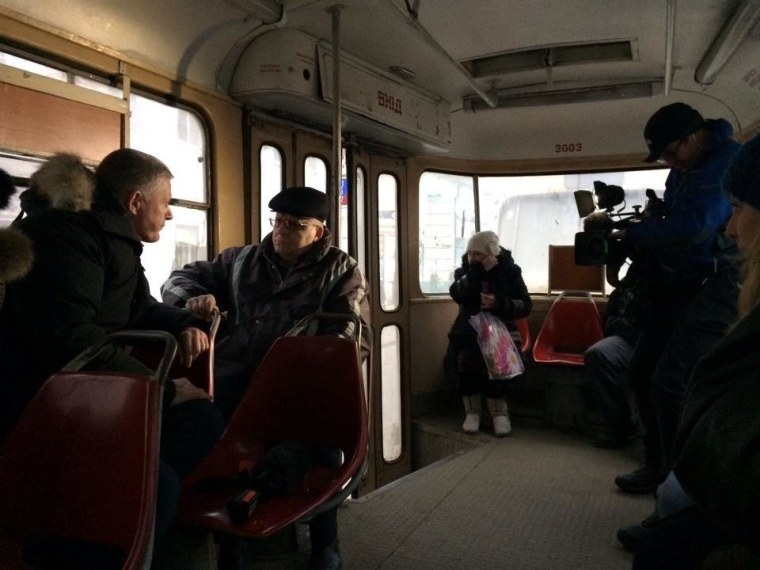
point(344, 204)
point(387, 224)
point(98, 86)
point(183, 239)
point(391, 387)
point(361, 236)
point(315, 173)
point(447, 220)
point(532, 212)
point(270, 163)
point(31, 66)
point(177, 137)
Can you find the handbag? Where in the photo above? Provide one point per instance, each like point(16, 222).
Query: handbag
point(502, 358)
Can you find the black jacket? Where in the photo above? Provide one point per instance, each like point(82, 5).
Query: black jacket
point(717, 449)
point(504, 281)
point(86, 281)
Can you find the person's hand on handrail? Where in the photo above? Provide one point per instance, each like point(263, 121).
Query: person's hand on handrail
point(192, 342)
point(202, 306)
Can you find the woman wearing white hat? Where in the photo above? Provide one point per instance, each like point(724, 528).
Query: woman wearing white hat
point(488, 280)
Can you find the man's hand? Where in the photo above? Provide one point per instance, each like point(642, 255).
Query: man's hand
point(185, 392)
point(202, 306)
point(618, 234)
point(192, 342)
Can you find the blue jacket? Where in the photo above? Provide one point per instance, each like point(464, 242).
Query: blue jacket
point(696, 209)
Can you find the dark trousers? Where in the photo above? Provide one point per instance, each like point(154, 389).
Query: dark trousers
point(188, 432)
point(680, 328)
point(606, 361)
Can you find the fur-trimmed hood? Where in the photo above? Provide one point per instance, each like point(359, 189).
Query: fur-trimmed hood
point(62, 183)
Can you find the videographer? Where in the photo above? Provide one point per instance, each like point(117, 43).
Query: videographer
point(690, 289)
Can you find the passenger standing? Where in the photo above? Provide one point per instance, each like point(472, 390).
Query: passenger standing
point(488, 280)
point(691, 293)
point(268, 288)
point(716, 448)
point(87, 281)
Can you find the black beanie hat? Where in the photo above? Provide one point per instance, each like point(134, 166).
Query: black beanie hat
point(301, 201)
point(742, 179)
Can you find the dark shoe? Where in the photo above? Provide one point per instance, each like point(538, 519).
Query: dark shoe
point(631, 536)
point(642, 481)
point(326, 559)
point(612, 440)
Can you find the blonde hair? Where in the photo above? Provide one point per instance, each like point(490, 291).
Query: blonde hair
point(749, 295)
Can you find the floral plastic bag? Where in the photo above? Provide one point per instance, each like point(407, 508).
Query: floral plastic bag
point(499, 351)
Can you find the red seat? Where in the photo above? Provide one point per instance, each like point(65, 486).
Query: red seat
point(78, 473)
point(81, 465)
point(307, 389)
point(524, 328)
point(572, 325)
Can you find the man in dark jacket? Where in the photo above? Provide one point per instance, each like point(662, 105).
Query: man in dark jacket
point(87, 281)
point(265, 290)
point(692, 290)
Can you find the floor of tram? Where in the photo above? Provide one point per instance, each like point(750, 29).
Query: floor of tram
point(539, 499)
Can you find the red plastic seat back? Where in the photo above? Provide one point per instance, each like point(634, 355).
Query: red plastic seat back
point(524, 328)
point(572, 325)
point(307, 389)
point(82, 464)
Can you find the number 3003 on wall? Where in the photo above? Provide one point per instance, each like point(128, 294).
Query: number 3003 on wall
point(568, 147)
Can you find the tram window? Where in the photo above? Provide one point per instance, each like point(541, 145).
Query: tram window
point(177, 137)
point(270, 183)
point(361, 237)
point(33, 67)
point(515, 206)
point(390, 363)
point(315, 173)
point(344, 200)
point(21, 168)
point(387, 198)
point(447, 220)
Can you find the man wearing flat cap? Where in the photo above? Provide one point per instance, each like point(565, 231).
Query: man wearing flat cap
point(266, 289)
point(691, 287)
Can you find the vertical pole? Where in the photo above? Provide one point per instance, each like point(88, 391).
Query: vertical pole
point(337, 135)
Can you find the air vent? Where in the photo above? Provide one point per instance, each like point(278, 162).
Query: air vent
point(550, 56)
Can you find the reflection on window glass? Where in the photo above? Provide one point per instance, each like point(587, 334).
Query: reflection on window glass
point(516, 206)
point(315, 173)
point(270, 163)
point(177, 137)
point(390, 374)
point(447, 220)
point(387, 225)
point(20, 167)
point(183, 240)
point(344, 204)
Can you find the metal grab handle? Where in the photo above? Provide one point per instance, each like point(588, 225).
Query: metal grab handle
point(130, 337)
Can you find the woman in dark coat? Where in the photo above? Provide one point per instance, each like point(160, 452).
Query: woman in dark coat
point(488, 280)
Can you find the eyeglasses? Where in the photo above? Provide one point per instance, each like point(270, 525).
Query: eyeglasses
point(290, 225)
point(670, 152)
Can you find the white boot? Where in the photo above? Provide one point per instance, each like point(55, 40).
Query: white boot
point(498, 408)
point(472, 409)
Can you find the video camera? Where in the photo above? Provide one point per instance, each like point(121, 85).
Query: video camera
point(593, 246)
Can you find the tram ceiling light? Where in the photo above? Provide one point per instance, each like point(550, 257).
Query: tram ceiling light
point(563, 96)
point(741, 23)
point(403, 72)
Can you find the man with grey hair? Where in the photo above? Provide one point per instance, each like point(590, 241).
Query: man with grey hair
point(87, 281)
